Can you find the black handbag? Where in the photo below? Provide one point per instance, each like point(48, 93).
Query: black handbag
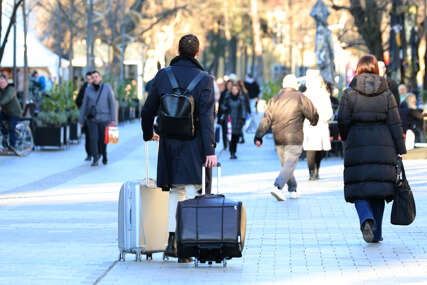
point(92, 110)
point(403, 211)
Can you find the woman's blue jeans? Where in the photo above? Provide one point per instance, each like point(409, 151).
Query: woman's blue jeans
point(371, 210)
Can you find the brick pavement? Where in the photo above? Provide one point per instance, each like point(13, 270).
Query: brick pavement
point(64, 232)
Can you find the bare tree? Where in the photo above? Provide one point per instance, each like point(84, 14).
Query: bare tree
point(368, 17)
point(9, 27)
point(256, 28)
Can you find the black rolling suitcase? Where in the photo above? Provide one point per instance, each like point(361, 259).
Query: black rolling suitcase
point(210, 228)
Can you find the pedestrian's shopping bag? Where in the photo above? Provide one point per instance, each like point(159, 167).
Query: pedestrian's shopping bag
point(111, 135)
point(403, 211)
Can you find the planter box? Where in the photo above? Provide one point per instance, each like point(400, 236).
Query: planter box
point(46, 136)
point(75, 132)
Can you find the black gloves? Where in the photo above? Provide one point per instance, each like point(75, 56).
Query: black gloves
point(256, 139)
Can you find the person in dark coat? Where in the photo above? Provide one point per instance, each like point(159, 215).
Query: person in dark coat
point(179, 167)
point(79, 102)
point(222, 120)
point(99, 96)
point(370, 126)
point(235, 107)
point(412, 118)
point(245, 95)
point(10, 109)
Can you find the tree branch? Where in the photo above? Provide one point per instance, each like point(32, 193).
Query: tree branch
point(166, 14)
point(12, 20)
point(338, 7)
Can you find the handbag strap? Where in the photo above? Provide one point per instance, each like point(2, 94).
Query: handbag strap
point(401, 168)
point(99, 94)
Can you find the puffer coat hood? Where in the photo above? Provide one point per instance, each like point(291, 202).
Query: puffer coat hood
point(369, 84)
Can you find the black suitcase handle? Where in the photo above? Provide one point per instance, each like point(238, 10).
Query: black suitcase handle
point(218, 166)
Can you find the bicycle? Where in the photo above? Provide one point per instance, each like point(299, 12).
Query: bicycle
point(24, 137)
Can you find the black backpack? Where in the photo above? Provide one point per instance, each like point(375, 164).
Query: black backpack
point(176, 117)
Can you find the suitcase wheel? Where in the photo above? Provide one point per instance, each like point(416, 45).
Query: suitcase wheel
point(165, 257)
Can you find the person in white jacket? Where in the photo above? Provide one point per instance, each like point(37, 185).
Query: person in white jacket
point(317, 138)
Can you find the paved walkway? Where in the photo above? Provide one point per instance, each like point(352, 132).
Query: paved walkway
point(58, 224)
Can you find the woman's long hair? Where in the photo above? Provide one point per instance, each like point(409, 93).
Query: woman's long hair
point(368, 64)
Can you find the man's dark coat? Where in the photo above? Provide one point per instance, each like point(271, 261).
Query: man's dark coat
point(180, 161)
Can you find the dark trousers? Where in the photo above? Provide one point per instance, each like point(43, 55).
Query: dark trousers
point(224, 133)
point(96, 138)
point(313, 159)
point(371, 210)
point(85, 129)
point(233, 143)
point(12, 121)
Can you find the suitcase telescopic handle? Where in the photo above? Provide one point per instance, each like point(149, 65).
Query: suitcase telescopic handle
point(147, 166)
point(218, 173)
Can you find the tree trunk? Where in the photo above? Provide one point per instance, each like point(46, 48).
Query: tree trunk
point(26, 73)
point(14, 49)
point(232, 56)
point(245, 60)
point(59, 43)
point(71, 47)
point(256, 29)
point(89, 38)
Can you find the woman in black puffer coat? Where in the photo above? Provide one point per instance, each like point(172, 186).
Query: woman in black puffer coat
point(370, 125)
point(234, 106)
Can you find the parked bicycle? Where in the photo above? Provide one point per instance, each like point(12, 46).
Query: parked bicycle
point(24, 137)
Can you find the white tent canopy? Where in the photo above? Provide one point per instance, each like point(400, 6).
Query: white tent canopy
point(39, 56)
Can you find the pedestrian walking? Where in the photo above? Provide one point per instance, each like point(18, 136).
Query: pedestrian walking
point(180, 160)
point(285, 115)
point(369, 124)
point(98, 110)
point(253, 91)
point(245, 96)
point(79, 102)
point(412, 118)
point(235, 107)
point(222, 120)
point(10, 109)
point(317, 138)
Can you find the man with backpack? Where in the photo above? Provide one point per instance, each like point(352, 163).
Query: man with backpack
point(182, 96)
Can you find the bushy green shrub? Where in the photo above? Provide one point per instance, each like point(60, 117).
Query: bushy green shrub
point(126, 93)
point(57, 108)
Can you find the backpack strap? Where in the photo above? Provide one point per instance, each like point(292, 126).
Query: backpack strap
point(195, 81)
point(172, 78)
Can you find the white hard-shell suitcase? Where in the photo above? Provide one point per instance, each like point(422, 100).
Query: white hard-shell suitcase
point(142, 217)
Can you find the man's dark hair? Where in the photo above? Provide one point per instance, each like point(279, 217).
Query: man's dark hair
point(95, 71)
point(189, 45)
point(89, 73)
